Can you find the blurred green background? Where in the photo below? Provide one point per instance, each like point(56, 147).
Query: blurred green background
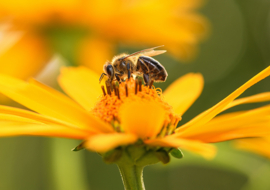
point(236, 50)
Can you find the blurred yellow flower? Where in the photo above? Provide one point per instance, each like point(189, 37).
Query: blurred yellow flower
point(130, 114)
point(21, 53)
point(175, 24)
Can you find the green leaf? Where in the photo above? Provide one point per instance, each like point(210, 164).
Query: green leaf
point(79, 147)
point(177, 153)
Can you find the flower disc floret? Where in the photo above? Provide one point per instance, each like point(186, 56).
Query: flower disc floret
point(116, 95)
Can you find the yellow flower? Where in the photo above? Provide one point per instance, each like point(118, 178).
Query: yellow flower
point(175, 24)
point(130, 114)
point(19, 50)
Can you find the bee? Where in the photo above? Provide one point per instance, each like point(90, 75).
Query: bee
point(140, 63)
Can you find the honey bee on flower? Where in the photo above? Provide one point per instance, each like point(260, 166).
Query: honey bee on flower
point(130, 113)
point(133, 125)
point(138, 63)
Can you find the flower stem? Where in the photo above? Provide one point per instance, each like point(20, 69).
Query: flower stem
point(132, 176)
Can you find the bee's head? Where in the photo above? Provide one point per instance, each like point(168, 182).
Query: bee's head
point(109, 70)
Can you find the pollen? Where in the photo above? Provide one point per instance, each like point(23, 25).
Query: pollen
point(115, 95)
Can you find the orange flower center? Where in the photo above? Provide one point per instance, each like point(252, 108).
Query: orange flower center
point(107, 107)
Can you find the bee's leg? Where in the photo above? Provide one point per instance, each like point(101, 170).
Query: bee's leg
point(117, 76)
point(146, 79)
point(128, 69)
point(101, 77)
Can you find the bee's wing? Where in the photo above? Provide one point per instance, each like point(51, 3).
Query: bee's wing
point(148, 52)
point(153, 53)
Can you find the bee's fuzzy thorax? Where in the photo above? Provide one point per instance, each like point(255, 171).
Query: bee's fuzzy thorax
point(118, 56)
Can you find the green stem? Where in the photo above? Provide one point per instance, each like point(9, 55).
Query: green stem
point(132, 177)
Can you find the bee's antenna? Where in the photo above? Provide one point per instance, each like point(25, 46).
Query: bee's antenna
point(101, 77)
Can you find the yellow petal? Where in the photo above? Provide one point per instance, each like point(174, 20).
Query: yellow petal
point(207, 115)
point(29, 116)
point(41, 11)
point(183, 92)
point(94, 52)
point(206, 150)
point(144, 119)
point(10, 117)
point(10, 128)
point(262, 97)
point(106, 142)
point(256, 145)
point(15, 121)
point(81, 84)
point(48, 103)
point(53, 92)
point(253, 123)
